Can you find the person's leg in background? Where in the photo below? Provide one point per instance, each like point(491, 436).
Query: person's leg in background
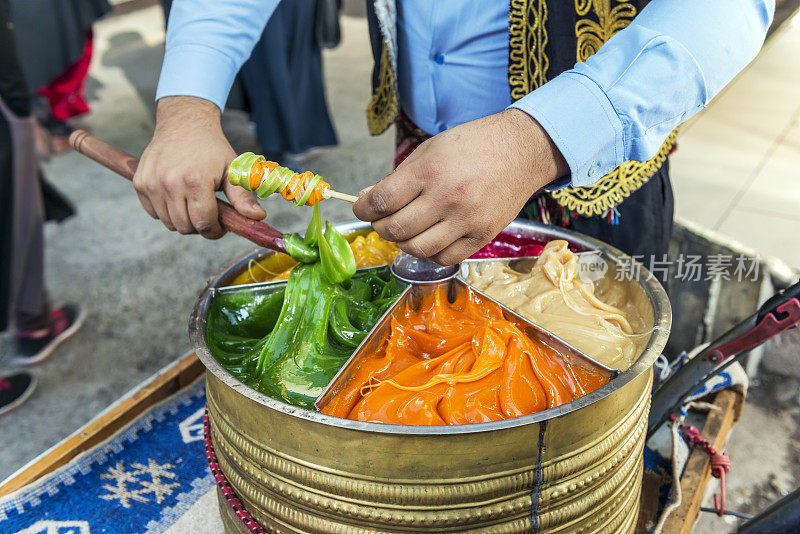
point(15, 388)
point(38, 329)
point(281, 85)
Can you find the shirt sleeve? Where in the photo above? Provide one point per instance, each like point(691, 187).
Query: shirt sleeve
point(207, 43)
point(622, 103)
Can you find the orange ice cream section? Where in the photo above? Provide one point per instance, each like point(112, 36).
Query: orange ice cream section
point(458, 363)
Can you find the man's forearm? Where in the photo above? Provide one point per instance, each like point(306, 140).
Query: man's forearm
point(549, 163)
point(186, 111)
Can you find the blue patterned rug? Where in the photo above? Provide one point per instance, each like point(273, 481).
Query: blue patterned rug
point(143, 479)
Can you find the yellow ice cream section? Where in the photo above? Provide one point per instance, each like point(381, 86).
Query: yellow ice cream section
point(369, 249)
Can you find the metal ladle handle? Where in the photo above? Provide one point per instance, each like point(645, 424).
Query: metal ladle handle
point(125, 165)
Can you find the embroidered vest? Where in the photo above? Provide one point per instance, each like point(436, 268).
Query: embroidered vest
point(546, 37)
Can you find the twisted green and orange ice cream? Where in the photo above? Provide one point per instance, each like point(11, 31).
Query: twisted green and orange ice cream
point(255, 173)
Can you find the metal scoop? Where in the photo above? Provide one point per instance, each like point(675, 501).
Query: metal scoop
point(421, 270)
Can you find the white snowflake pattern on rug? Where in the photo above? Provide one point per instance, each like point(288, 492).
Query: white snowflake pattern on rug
point(156, 486)
point(110, 488)
point(124, 490)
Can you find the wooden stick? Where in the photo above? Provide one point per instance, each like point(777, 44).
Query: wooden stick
point(341, 196)
point(125, 165)
point(697, 472)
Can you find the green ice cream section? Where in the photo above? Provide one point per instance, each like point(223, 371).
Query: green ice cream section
point(289, 339)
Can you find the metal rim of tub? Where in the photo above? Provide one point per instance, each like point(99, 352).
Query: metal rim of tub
point(662, 316)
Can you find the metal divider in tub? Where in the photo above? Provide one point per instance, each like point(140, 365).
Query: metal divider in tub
point(412, 297)
point(258, 291)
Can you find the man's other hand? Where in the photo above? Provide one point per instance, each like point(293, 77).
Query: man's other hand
point(185, 164)
point(460, 188)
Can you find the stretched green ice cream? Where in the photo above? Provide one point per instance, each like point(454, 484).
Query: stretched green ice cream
point(290, 344)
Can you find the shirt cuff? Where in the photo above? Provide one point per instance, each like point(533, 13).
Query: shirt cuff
point(196, 70)
point(579, 118)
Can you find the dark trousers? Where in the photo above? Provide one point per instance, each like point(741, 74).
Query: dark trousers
point(26, 297)
point(284, 84)
point(23, 298)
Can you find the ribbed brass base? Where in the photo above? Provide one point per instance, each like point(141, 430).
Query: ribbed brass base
point(577, 473)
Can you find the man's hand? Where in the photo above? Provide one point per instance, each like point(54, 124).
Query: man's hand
point(183, 166)
point(462, 187)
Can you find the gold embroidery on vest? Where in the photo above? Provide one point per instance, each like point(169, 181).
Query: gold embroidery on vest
point(617, 185)
point(527, 39)
point(383, 106)
point(591, 35)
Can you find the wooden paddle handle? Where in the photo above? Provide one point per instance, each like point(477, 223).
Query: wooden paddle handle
point(125, 165)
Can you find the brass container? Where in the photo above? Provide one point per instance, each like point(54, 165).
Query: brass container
point(573, 468)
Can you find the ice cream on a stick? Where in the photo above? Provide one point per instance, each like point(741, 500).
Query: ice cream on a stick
point(255, 173)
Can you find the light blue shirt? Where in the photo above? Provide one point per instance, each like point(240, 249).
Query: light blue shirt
point(452, 65)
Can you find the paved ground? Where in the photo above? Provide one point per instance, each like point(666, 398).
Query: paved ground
point(735, 170)
point(139, 282)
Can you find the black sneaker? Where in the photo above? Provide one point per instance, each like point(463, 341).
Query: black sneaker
point(64, 323)
point(14, 390)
